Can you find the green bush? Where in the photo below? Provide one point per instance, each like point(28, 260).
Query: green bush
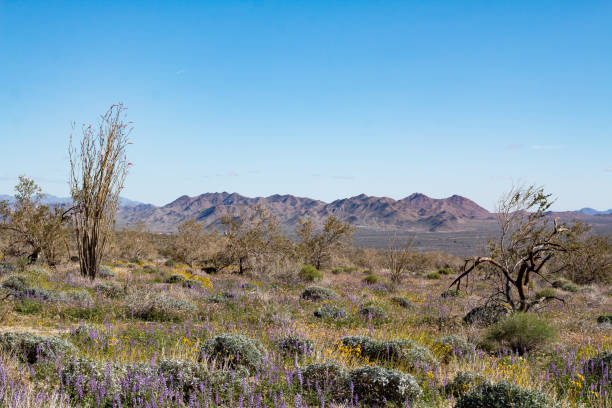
point(159, 307)
point(371, 279)
point(328, 376)
point(293, 345)
point(521, 332)
point(330, 312)
point(463, 382)
point(402, 302)
point(449, 293)
point(234, 350)
point(607, 318)
point(503, 394)
point(105, 272)
point(403, 352)
point(434, 275)
point(445, 271)
point(170, 263)
point(175, 279)
point(454, 346)
point(487, 315)
point(31, 348)
point(337, 271)
point(565, 285)
point(545, 293)
point(374, 384)
point(373, 312)
point(316, 293)
point(111, 290)
point(310, 274)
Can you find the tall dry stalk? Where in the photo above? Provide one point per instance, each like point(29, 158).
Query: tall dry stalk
point(98, 172)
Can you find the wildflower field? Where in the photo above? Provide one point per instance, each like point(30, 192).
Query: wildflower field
point(151, 335)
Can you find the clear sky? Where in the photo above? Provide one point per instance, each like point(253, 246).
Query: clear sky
point(323, 99)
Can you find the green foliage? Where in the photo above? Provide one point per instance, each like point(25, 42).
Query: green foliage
point(566, 285)
point(293, 345)
point(373, 312)
point(521, 332)
point(402, 302)
point(337, 271)
point(546, 293)
point(454, 346)
point(404, 352)
point(445, 271)
point(170, 263)
point(503, 395)
point(105, 272)
point(310, 274)
point(159, 307)
point(373, 384)
point(371, 279)
point(434, 276)
point(487, 315)
point(599, 367)
point(111, 290)
point(233, 350)
point(31, 348)
point(607, 318)
point(463, 382)
point(317, 293)
point(331, 312)
point(28, 306)
point(329, 376)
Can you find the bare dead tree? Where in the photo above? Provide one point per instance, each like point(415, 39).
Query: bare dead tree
point(398, 257)
point(527, 244)
point(98, 171)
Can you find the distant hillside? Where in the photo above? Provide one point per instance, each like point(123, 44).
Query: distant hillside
point(53, 200)
point(416, 212)
point(591, 211)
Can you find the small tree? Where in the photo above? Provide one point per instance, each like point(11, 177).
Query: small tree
point(593, 262)
point(529, 240)
point(190, 242)
point(252, 238)
point(397, 257)
point(316, 247)
point(28, 222)
point(135, 242)
point(98, 171)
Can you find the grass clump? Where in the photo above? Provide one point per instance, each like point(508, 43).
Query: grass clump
point(373, 312)
point(503, 394)
point(317, 293)
point(453, 346)
point(434, 276)
point(445, 271)
point(463, 382)
point(309, 273)
point(566, 285)
point(337, 271)
point(234, 350)
point(521, 333)
point(373, 384)
point(451, 293)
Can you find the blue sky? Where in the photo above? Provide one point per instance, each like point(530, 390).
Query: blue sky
point(321, 99)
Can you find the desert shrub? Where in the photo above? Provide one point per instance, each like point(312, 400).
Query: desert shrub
point(402, 302)
point(110, 289)
point(371, 279)
point(191, 284)
point(15, 283)
point(463, 382)
point(607, 318)
point(374, 384)
point(521, 332)
point(487, 315)
point(372, 312)
point(433, 276)
point(235, 350)
point(31, 348)
point(249, 287)
point(310, 274)
point(293, 345)
point(401, 351)
point(175, 279)
point(18, 287)
point(328, 376)
point(445, 271)
point(350, 269)
point(599, 367)
point(449, 293)
point(454, 346)
point(318, 293)
point(565, 285)
point(159, 307)
point(330, 312)
point(546, 292)
point(6, 268)
point(337, 271)
point(185, 375)
point(503, 394)
point(221, 297)
point(79, 296)
point(105, 272)
point(28, 306)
